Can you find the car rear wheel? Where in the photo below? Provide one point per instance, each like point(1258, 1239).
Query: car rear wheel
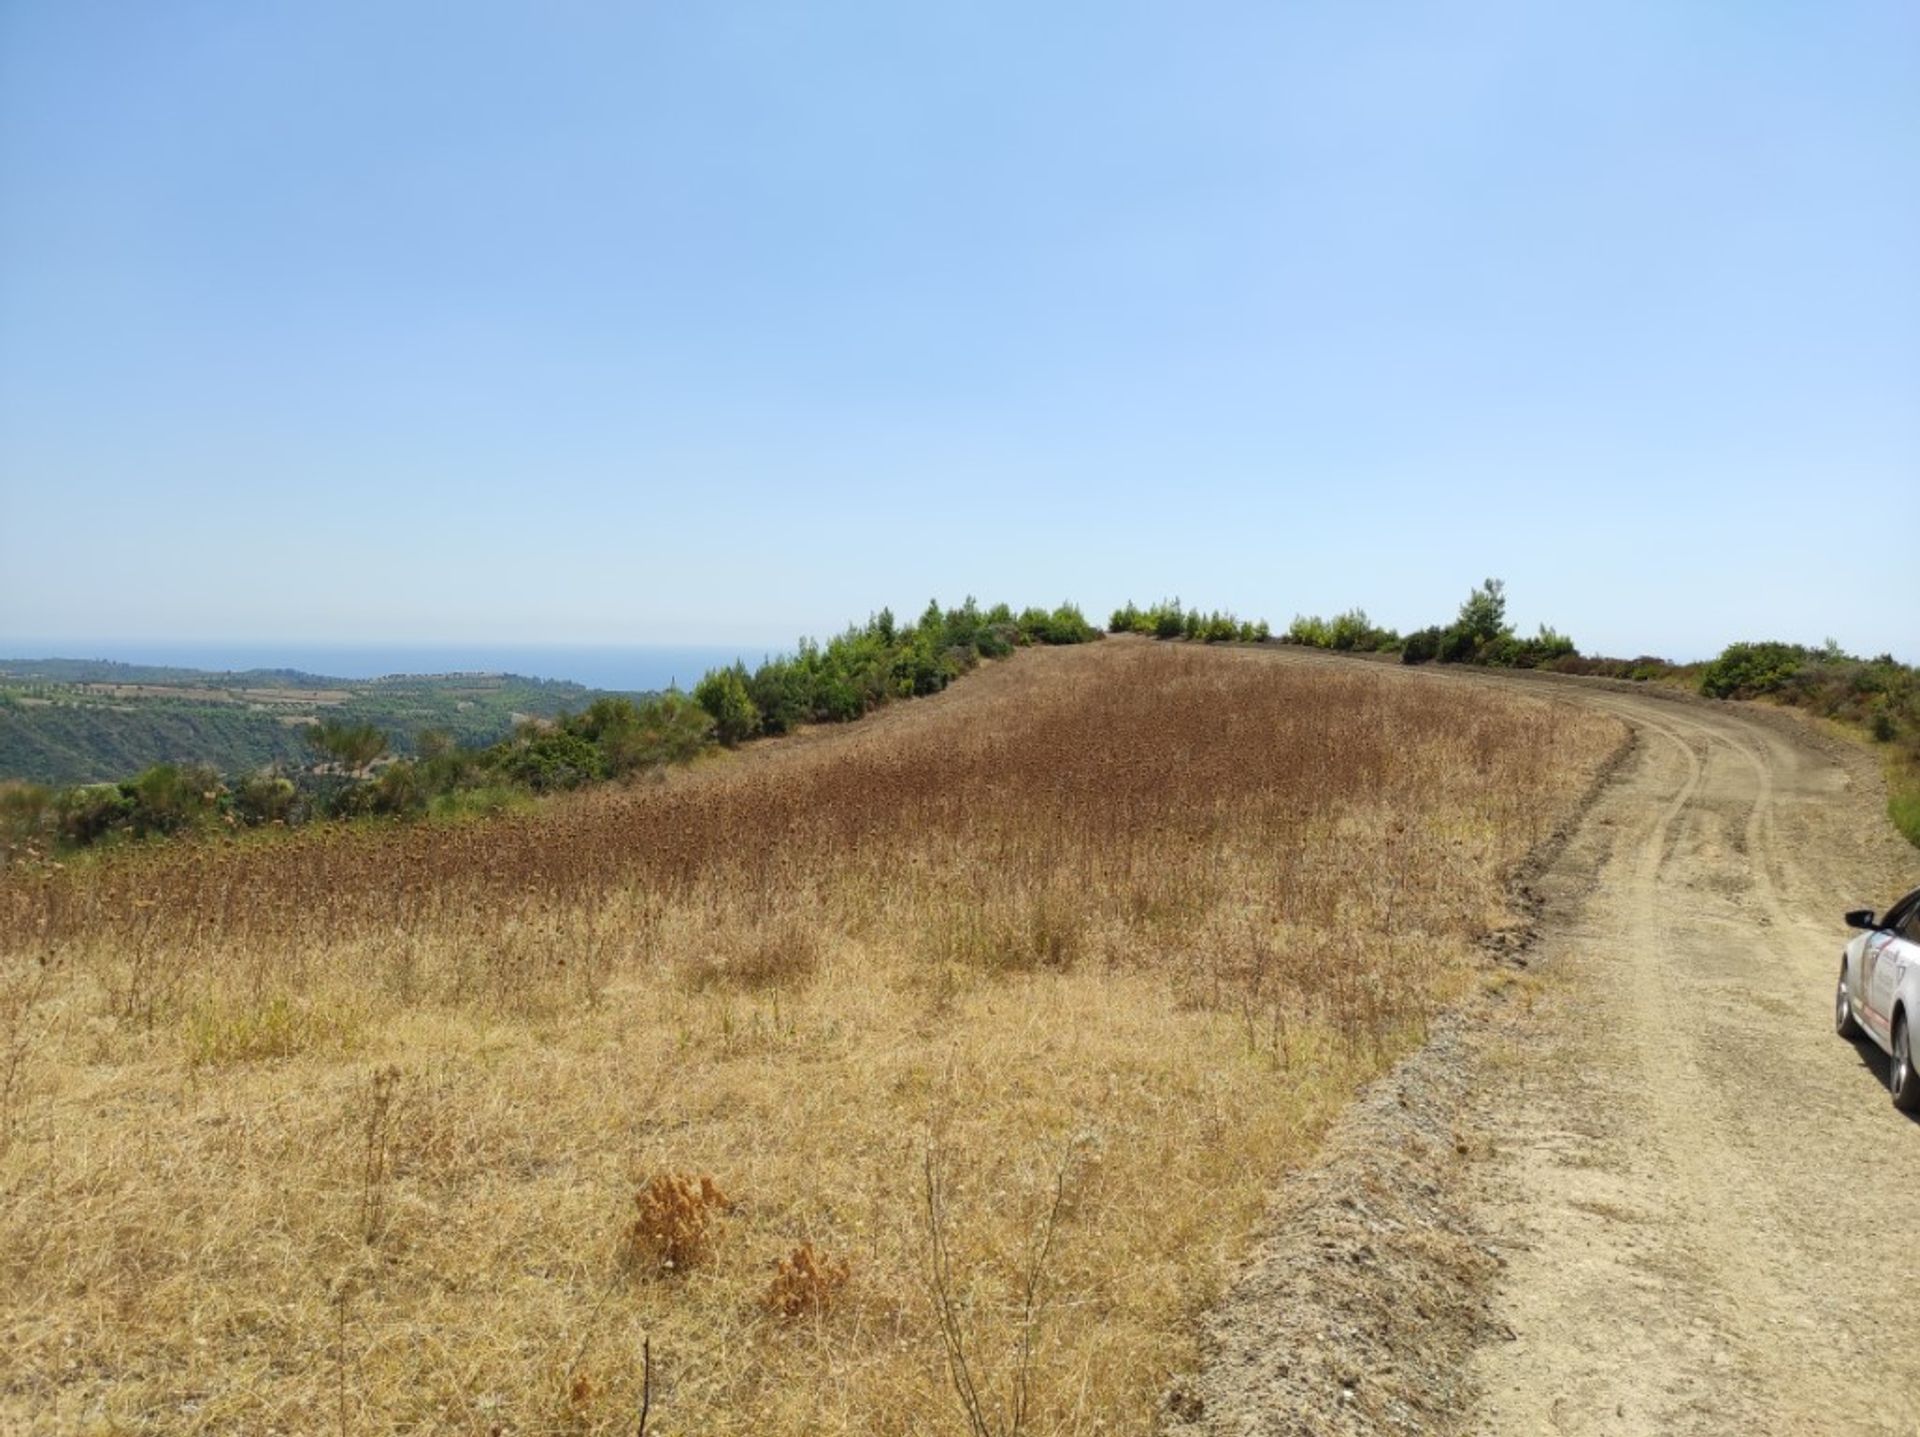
point(1902, 1078)
point(1844, 1022)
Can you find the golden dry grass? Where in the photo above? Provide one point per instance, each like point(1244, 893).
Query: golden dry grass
point(405, 1130)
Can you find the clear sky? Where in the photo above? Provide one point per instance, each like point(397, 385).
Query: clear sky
point(725, 322)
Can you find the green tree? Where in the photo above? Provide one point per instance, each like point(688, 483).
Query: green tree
point(1351, 630)
point(723, 694)
point(356, 747)
point(1484, 614)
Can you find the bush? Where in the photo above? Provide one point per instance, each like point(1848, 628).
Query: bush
point(554, 761)
point(918, 669)
point(1311, 630)
point(1168, 619)
point(170, 797)
point(1421, 647)
point(341, 797)
point(1543, 649)
point(1067, 625)
point(723, 694)
point(88, 812)
point(779, 693)
point(1743, 670)
point(998, 640)
point(1350, 631)
point(264, 798)
point(354, 747)
point(1458, 646)
point(400, 792)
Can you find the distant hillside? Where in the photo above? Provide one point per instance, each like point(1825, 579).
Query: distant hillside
point(91, 720)
point(111, 671)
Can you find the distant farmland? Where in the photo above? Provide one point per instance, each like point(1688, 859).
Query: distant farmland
point(953, 1051)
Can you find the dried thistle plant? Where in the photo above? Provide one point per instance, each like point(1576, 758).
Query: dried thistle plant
point(806, 1282)
point(678, 1222)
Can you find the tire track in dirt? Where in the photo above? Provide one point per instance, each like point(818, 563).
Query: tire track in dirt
point(1706, 1179)
point(1661, 1197)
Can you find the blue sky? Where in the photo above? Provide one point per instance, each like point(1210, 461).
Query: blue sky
point(722, 323)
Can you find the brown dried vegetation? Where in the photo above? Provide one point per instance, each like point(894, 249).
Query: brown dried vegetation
point(340, 1130)
point(806, 1282)
point(679, 1220)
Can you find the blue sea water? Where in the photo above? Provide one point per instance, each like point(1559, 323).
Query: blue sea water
point(625, 668)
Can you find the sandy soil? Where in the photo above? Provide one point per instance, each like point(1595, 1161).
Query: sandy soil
point(1641, 1187)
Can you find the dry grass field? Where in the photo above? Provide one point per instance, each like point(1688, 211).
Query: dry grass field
point(921, 1076)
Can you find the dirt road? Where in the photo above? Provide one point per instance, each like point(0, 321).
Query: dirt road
point(1706, 1203)
point(1659, 1195)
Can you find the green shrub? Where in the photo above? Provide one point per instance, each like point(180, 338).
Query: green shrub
point(88, 812)
point(1458, 646)
point(554, 761)
point(781, 695)
point(1311, 630)
point(264, 798)
point(1421, 647)
point(355, 747)
point(673, 729)
point(400, 791)
point(1350, 631)
point(170, 797)
point(1743, 670)
point(340, 796)
point(997, 640)
point(1067, 625)
point(723, 694)
point(1546, 647)
point(918, 668)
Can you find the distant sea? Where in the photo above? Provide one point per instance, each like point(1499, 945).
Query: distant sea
point(627, 668)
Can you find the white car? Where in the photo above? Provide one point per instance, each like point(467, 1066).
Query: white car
point(1880, 992)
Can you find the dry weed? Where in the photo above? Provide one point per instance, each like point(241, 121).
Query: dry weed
point(1189, 899)
point(806, 1283)
point(679, 1220)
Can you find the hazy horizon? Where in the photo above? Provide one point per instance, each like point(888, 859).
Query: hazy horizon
point(580, 662)
point(633, 668)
